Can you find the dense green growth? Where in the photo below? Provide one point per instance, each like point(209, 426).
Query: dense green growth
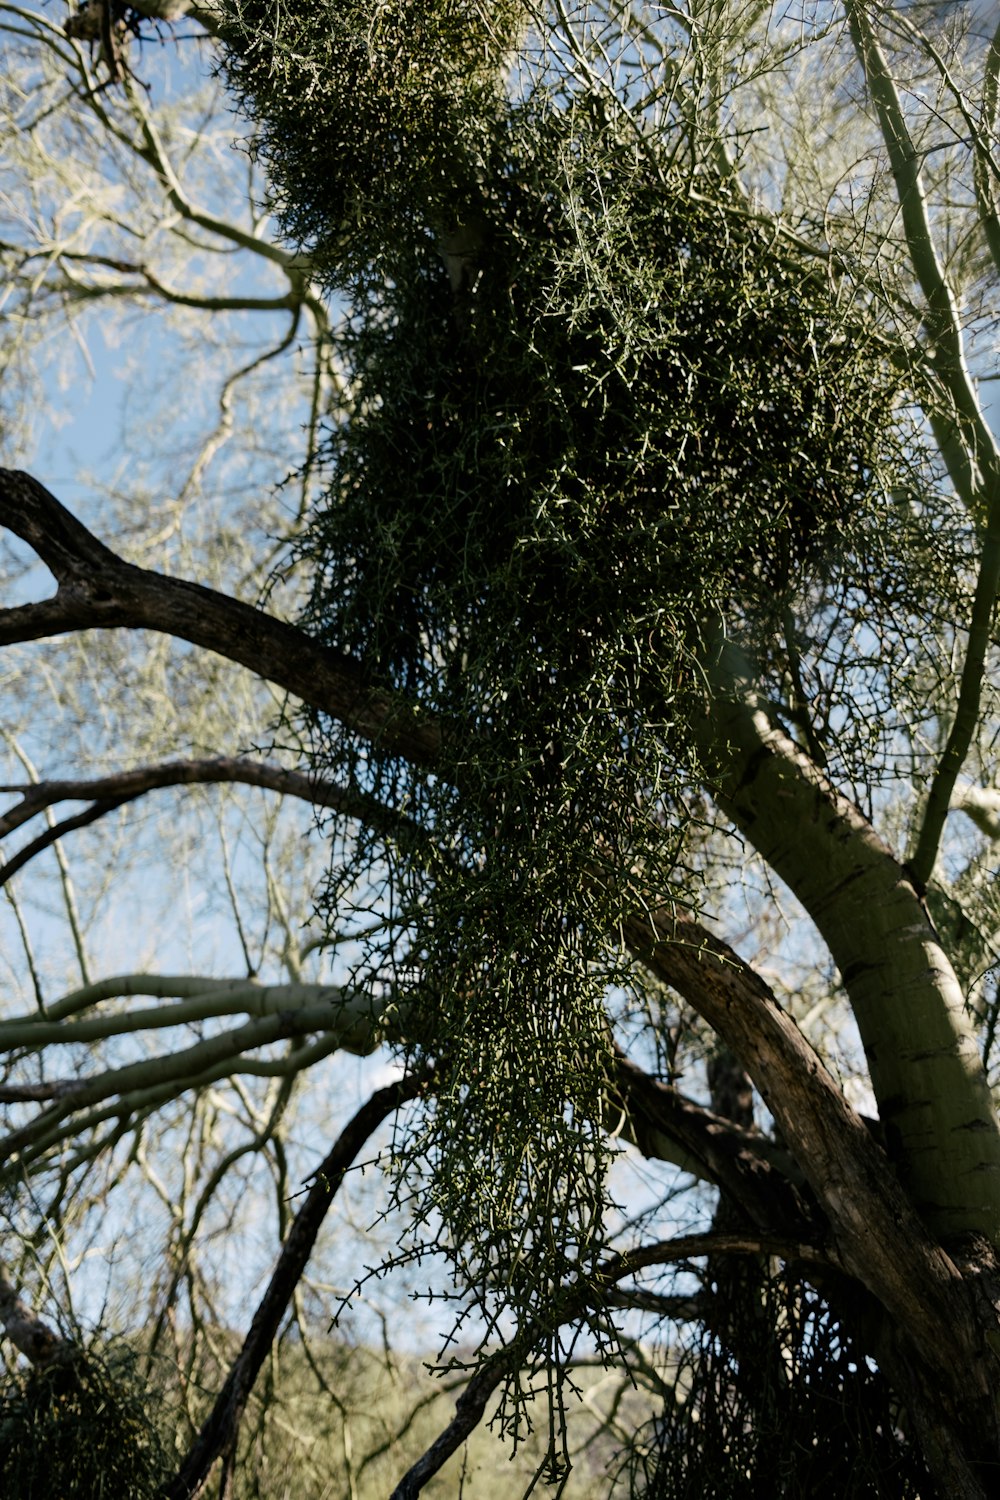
point(387, 112)
point(628, 415)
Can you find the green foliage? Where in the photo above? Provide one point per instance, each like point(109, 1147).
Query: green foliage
point(384, 112)
point(642, 419)
point(80, 1429)
point(632, 416)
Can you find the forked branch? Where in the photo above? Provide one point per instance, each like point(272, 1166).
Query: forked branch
point(96, 590)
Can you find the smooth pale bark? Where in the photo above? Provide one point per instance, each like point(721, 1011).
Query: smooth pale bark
point(934, 1101)
point(349, 1024)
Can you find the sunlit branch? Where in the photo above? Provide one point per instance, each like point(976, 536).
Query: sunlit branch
point(131, 1108)
point(188, 1225)
point(188, 987)
point(972, 456)
point(973, 461)
point(980, 136)
point(351, 1023)
point(982, 805)
point(965, 725)
point(944, 330)
point(148, 284)
point(172, 11)
point(228, 998)
point(154, 153)
point(65, 880)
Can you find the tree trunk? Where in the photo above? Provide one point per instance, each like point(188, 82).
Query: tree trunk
point(940, 1125)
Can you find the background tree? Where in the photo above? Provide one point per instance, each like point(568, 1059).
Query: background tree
point(650, 564)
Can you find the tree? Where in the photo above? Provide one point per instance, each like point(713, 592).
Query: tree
point(651, 560)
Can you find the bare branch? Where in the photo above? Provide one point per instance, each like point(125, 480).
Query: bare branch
point(982, 805)
point(98, 590)
point(53, 834)
point(470, 1408)
point(106, 793)
point(218, 1434)
point(122, 1090)
point(944, 327)
point(757, 1175)
point(36, 1093)
point(975, 471)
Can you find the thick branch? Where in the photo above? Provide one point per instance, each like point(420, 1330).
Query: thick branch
point(879, 1238)
point(934, 1102)
point(755, 1174)
point(97, 590)
point(27, 1332)
point(351, 1021)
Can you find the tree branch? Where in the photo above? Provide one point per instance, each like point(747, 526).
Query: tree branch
point(98, 590)
point(934, 1101)
point(943, 322)
point(470, 1408)
point(966, 722)
point(27, 1332)
point(9, 868)
point(219, 1431)
point(974, 462)
point(351, 1023)
point(116, 790)
point(879, 1236)
point(880, 1239)
point(755, 1174)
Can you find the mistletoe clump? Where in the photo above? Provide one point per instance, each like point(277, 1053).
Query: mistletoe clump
point(594, 414)
point(638, 418)
point(381, 110)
